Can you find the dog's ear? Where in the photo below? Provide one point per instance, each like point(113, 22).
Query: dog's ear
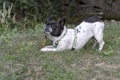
point(62, 21)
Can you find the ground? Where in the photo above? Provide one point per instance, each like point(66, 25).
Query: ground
point(21, 58)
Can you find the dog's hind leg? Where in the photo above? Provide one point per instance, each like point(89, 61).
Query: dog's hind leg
point(101, 44)
point(100, 41)
point(95, 43)
point(98, 34)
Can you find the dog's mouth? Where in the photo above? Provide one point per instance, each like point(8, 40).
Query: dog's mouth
point(47, 30)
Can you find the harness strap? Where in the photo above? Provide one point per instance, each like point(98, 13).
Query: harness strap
point(57, 42)
point(75, 39)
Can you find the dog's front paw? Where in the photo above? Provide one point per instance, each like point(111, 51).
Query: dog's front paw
point(43, 50)
point(48, 49)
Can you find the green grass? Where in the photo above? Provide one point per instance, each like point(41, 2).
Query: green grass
point(21, 59)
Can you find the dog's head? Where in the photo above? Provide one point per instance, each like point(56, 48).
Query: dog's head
point(54, 28)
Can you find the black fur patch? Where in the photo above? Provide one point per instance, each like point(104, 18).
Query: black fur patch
point(93, 19)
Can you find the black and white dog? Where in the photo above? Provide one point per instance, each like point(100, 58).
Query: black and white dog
point(69, 39)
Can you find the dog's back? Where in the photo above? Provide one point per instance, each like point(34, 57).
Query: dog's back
point(94, 23)
point(93, 19)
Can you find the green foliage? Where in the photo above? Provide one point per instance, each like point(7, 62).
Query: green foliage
point(23, 7)
point(5, 14)
point(24, 13)
point(9, 22)
point(6, 21)
point(30, 8)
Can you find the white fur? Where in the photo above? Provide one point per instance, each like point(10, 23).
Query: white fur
point(85, 32)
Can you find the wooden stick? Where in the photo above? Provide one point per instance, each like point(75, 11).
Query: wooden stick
point(44, 40)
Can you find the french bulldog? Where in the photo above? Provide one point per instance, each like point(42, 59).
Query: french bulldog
point(74, 39)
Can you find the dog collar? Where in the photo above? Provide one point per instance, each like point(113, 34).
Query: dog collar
point(57, 41)
point(75, 39)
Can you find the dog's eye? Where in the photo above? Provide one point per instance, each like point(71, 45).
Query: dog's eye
point(48, 23)
point(51, 26)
